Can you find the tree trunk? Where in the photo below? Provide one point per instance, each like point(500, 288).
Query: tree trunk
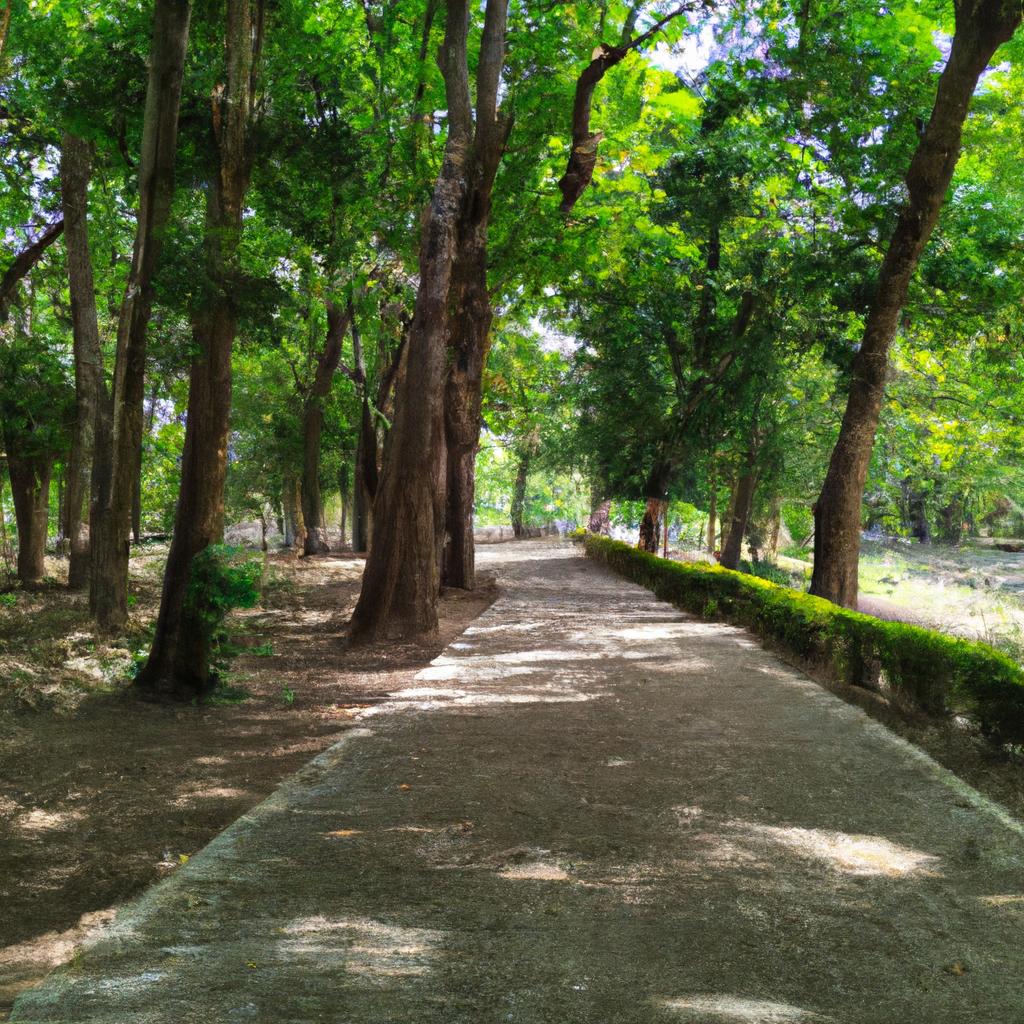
point(110, 517)
point(518, 510)
point(774, 528)
point(712, 512)
point(981, 26)
point(179, 661)
point(743, 499)
point(30, 488)
point(294, 524)
point(651, 524)
point(75, 170)
point(343, 490)
point(600, 511)
point(402, 577)
point(137, 492)
point(317, 542)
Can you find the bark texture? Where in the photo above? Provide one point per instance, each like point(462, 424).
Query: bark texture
point(30, 488)
point(179, 661)
point(110, 519)
point(981, 27)
point(402, 577)
point(75, 170)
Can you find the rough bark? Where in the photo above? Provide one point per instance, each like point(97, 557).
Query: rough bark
point(110, 519)
point(30, 489)
point(981, 26)
point(402, 577)
point(316, 542)
point(75, 171)
point(179, 661)
point(651, 523)
point(517, 513)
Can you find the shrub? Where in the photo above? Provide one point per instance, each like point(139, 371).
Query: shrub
point(222, 578)
point(927, 670)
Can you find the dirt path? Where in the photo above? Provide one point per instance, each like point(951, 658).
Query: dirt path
point(591, 809)
point(102, 798)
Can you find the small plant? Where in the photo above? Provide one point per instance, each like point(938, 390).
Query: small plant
point(223, 578)
point(262, 650)
point(8, 600)
point(287, 695)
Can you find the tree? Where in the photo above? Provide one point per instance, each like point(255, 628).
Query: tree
point(179, 660)
point(402, 576)
point(120, 418)
point(981, 27)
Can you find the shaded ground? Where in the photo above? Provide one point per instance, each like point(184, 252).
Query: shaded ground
point(591, 808)
point(100, 794)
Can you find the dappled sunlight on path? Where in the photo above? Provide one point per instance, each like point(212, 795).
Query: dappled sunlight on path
point(591, 809)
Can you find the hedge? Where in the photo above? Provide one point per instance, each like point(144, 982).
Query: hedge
point(927, 670)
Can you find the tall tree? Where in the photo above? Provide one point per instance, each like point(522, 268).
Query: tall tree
point(120, 418)
point(981, 27)
point(75, 171)
point(402, 577)
point(179, 660)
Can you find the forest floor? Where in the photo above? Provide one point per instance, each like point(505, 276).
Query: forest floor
point(591, 807)
point(102, 794)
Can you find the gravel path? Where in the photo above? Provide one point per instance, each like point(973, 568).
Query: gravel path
point(591, 809)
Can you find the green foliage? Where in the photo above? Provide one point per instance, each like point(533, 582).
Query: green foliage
point(222, 578)
point(930, 671)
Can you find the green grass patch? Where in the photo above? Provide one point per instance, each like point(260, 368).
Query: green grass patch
point(924, 669)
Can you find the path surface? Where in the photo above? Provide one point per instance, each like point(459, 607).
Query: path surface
point(590, 810)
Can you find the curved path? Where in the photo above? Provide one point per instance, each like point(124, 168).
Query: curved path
point(591, 809)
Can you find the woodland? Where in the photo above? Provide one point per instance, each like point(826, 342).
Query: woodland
point(371, 275)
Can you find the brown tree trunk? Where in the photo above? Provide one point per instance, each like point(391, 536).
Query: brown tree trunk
point(317, 542)
point(343, 490)
point(402, 577)
point(294, 524)
point(137, 493)
point(75, 170)
point(30, 488)
point(179, 660)
point(517, 513)
point(774, 528)
point(600, 512)
point(743, 500)
point(121, 419)
point(651, 523)
point(981, 26)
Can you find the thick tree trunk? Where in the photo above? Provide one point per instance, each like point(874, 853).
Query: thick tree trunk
point(743, 500)
point(517, 513)
point(917, 507)
point(110, 519)
point(75, 170)
point(402, 577)
point(179, 661)
point(981, 26)
point(317, 542)
point(30, 488)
